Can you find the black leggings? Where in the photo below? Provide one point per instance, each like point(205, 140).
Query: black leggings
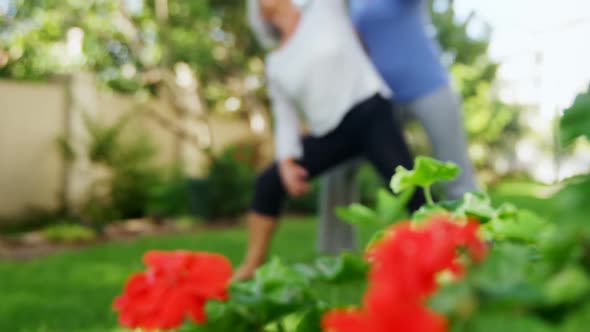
point(369, 129)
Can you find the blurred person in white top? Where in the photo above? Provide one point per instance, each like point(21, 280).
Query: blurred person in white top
point(317, 67)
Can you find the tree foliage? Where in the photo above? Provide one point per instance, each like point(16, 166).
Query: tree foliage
point(132, 44)
point(125, 41)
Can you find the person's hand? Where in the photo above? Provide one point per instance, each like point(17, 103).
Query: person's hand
point(294, 177)
point(244, 273)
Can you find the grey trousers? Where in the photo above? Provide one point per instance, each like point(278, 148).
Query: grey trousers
point(441, 116)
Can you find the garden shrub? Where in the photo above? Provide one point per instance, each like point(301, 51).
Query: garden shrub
point(68, 233)
point(128, 171)
point(230, 181)
point(31, 220)
point(170, 197)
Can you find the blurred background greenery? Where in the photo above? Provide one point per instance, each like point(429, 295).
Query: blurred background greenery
point(128, 42)
point(133, 45)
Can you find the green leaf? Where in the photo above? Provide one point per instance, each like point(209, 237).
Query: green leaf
point(563, 244)
point(427, 211)
point(358, 214)
point(276, 272)
point(573, 200)
point(308, 271)
point(391, 208)
point(456, 299)
point(277, 291)
point(453, 205)
point(281, 284)
point(576, 120)
point(426, 172)
point(568, 286)
point(344, 268)
point(506, 322)
point(578, 321)
point(377, 236)
point(509, 275)
point(221, 316)
point(525, 226)
point(311, 320)
point(476, 205)
point(507, 211)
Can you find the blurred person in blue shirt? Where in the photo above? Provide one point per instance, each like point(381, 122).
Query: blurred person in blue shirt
point(396, 38)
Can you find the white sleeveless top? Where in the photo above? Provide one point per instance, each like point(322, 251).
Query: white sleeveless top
point(322, 71)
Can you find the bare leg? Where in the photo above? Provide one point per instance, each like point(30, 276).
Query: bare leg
point(260, 231)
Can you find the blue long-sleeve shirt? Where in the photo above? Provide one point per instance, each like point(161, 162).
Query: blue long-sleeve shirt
point(395, 35)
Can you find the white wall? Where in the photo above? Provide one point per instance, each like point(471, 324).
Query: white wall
point(32, 116)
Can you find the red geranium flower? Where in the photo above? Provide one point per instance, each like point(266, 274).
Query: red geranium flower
point(176, 286)
point(346, 320)
point(412, 256)
point(404, 266)
point(413, 318)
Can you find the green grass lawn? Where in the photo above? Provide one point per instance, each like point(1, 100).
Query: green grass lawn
point(73, 291)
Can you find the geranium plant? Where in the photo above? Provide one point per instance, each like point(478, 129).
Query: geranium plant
point(405, 264)
point(462, 266)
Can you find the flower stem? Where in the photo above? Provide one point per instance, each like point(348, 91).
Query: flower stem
point(428, 195)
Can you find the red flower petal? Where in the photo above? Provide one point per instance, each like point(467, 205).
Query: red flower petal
point(349, 320)
point(404, 266)
point(197, 311)
point(176, 287)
